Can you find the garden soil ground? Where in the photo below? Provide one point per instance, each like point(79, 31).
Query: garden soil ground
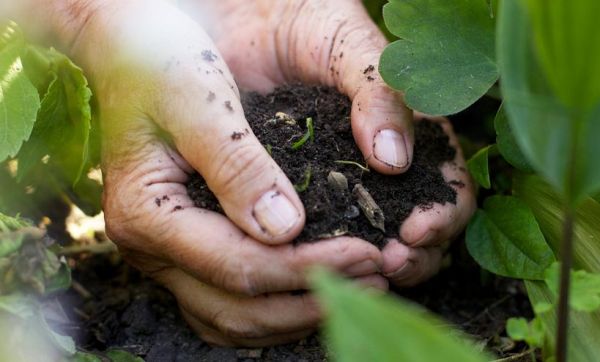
point(126, 310)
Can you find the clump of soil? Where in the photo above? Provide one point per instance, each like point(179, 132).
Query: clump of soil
point(280, 119)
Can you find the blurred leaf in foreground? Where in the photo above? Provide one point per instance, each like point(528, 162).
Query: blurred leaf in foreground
point(362, 326)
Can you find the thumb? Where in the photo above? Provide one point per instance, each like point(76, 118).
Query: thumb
point(347, 49)
point(212, 134)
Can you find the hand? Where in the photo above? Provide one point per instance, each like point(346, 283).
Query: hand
point(269, 43)
point(168, 106)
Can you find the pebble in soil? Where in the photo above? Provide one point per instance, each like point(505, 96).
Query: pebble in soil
point(279, 120)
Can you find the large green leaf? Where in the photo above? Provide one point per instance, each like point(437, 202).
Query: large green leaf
point(19, 100)
point(63, 127)
point(547, 208)
point(567, 44)
point(361, 326)
point(444, 60)
point(507, 145)
point(478, 167)
point(558, 138)
point(505, 239)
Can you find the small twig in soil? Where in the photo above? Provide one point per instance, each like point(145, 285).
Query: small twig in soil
point(304, 185)
point(369, 207)
point(515, 357)
point(100, 248)
point(81, 290)
point(487, 309)
point(344, 162)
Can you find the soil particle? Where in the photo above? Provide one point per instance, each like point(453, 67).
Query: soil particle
point(369, 69)
point(177, 208)
point(157, 202)
point(328, 209)
point(165, 198)
point(236, 136)
point(211, 96)
point(228, 106)
point(208, 55)
point(370, 79)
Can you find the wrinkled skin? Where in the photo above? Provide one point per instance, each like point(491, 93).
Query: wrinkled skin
point(168, 106)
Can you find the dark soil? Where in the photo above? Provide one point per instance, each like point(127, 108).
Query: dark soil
point(125, 310)
point(329, 210)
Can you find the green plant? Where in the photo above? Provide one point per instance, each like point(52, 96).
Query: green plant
point(49, 142)
point(546, 56)
point(310, 134)
point(363, 326)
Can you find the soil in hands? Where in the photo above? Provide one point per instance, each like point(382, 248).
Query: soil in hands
point(280, 119)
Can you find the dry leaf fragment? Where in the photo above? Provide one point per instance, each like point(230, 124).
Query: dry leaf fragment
point(338, 181)
point(369, 207)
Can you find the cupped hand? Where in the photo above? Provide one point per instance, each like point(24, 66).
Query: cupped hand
point(168, 107)
point(269, 43)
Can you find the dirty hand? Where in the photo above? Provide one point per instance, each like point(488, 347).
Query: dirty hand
point(168, 107)
point(269, 43)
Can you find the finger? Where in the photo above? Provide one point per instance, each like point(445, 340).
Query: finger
point(214, 337)
point(443, 222)
point(344, 48)
point(405, 266)
point(374, 282)
point(217, 252)
point(197, 103)
point(238, 317)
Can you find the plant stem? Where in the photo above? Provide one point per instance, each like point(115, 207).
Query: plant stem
point(566, 255)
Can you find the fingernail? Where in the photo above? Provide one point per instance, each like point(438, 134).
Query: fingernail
point(362, 268)
point(275, 213)
point(389, 148)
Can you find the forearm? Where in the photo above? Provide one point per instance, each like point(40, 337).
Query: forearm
point(52, 22)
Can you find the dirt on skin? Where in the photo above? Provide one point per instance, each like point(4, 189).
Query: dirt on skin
point(279, 120)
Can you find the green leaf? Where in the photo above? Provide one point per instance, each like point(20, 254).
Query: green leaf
point(17, 304)
point(507, 145)
point(8, 223)
point(517, 328)
point(84, 357)
point(19, 101)
point(558, 139)
point(546, 205)
point(505, 239)
point(361, 326)
point(61, 280)
point(521, 330)
point(119, 355)
point(64, 120)
point(445, 58)
point(567, 44)
point(9, 245)
point(542, 307)
point(585, 288)
point(478, 167)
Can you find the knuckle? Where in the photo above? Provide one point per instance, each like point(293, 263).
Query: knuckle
point(241, 280)
point(240, 166)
